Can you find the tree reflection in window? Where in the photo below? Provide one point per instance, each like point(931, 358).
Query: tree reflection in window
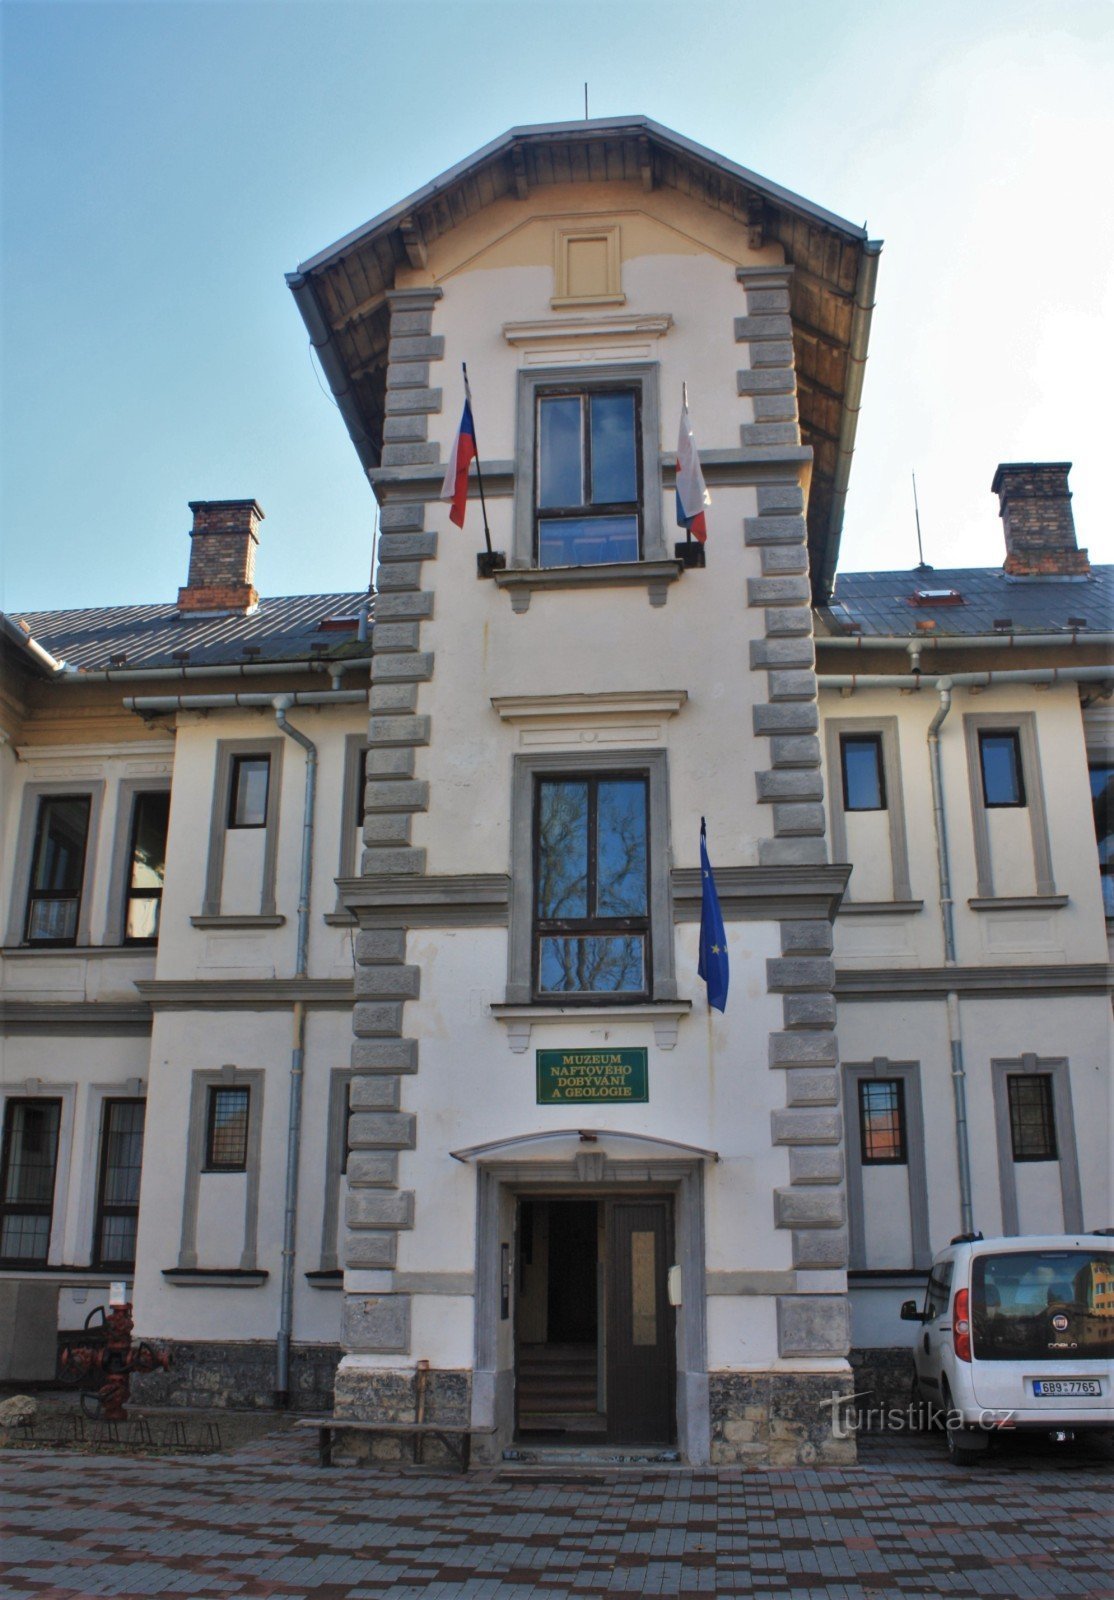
point(591, 887)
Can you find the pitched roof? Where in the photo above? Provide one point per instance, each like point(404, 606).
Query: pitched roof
point(130, 637)
point(896, 604)
point(341, 291)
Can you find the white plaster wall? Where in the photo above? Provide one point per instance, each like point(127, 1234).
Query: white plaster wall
point(889, 1233)
point(868, 846)
point(876, 1314)
point(1040, 1206)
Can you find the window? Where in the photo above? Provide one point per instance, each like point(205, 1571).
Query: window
point(57, 869)
point(588, 473)
point(247, 799)
point(1102, 800)
point(1032, 1120)
point(882, 1122)
point(1000, 760)
point(591, 886)
point(118, 1193)
point(226, 1140)
point(30, 1156)
point(938, 1291)
point(864, 783)
point(147, 867)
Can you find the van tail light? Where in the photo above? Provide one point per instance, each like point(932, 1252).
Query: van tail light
point(961, 1325)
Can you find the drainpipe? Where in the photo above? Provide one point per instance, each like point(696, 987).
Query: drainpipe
point(947, 914)
point(282, 703)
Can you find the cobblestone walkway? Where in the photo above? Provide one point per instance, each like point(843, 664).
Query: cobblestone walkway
point(266, 1520)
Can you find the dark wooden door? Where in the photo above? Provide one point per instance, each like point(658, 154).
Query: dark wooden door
point(640, 1344)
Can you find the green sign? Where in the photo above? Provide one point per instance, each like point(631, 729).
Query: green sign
point(583, 1077)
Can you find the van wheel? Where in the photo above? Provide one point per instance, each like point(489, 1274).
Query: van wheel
point(966, 1446)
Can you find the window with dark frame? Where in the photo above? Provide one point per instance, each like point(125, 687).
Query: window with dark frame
point(882, 1139)
point(588, 476)
point(1032, 1118)
point(591, 887)
point(863, 773)
point(1102, 802)
point(248, 791)
point(146, 867)
point(57, 869)
point(1000, 760)
point(27, 1169)
point(118, 1189)
point(226, 1138)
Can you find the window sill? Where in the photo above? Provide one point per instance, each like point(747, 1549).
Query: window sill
point(216, 1277)
point(57, 952)
point(234, 919)
point(1020, 902)
point(326, 1278)
point(654, 576)
point(880, 908)
point(664, 1016)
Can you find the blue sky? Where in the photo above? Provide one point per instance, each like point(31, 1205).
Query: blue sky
point(164, 163)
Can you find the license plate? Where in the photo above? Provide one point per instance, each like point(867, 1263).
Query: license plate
point(1067, 1386)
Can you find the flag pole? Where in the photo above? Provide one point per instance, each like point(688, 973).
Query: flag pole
point(479, 474)
point(688, 528)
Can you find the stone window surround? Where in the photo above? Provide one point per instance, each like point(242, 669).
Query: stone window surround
point(351, 813)
point(909, 1074)
point(228, 1077)
point(596, 1173)
point(127, 791)
point(21, 875)
point(1024, 724)
point(222, 785)
point(654, 763)
point(97, 1094)
point(1071, 1195)
point(336, 1118)
point(886, 728)
point(645, 375)
point(40, 1089)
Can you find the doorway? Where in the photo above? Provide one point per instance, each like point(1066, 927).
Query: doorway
point(595, 1353)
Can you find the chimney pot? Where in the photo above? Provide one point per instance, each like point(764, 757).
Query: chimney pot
point(224, 538)
point(1035, 508)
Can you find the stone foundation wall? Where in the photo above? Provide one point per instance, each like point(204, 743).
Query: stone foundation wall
point(885, 1374)
point(238, 1377)
point(392, 1396)
point(778, 1419)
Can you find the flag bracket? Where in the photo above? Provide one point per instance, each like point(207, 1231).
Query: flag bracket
point(489, 562)
point(689, 553)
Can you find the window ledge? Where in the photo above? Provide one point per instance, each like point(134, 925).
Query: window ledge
point(1019, 902)
point(216, 1277)
point(880, 908)
point(235, 919)
point(326, 1278)
point(60, 952)
point(663, 1015)
point(654, 576)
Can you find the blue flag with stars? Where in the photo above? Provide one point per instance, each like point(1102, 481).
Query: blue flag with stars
point(712, 966)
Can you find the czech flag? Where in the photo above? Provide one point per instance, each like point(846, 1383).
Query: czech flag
point(692, 493)
point(455, 486)
point(713, 965)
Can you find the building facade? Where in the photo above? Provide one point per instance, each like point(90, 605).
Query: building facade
point(436, 1099)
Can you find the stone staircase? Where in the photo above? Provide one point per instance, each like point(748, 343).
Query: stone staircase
point(557, 1389)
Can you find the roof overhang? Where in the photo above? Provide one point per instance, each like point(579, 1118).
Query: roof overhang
point(341, 291)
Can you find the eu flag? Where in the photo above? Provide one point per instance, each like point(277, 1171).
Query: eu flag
point(712, 966)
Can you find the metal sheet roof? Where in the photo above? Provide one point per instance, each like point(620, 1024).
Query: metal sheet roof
point(285, 629)
point(881, 604)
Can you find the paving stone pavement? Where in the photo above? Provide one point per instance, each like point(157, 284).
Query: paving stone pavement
point(265, 1520)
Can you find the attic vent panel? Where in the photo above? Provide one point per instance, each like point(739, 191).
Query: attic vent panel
point(587, 266)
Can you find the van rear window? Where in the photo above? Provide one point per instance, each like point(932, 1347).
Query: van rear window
point(1043, 1305)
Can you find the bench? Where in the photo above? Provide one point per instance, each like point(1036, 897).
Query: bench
point(455, 1437)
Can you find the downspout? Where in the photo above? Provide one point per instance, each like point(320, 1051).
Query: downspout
point(282, 703)
point(947, 914)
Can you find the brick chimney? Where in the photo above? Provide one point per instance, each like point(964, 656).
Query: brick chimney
point(1035, 508)
point(222, 556)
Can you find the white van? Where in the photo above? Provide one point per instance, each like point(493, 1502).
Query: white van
point(1017, 1333)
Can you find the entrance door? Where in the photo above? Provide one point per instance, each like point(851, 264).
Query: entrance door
point(640, 1346)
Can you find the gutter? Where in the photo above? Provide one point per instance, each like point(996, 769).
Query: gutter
point(861, 314)
point(850, 681)
point(976, 641)
point(155, 704)
point(234, 669)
